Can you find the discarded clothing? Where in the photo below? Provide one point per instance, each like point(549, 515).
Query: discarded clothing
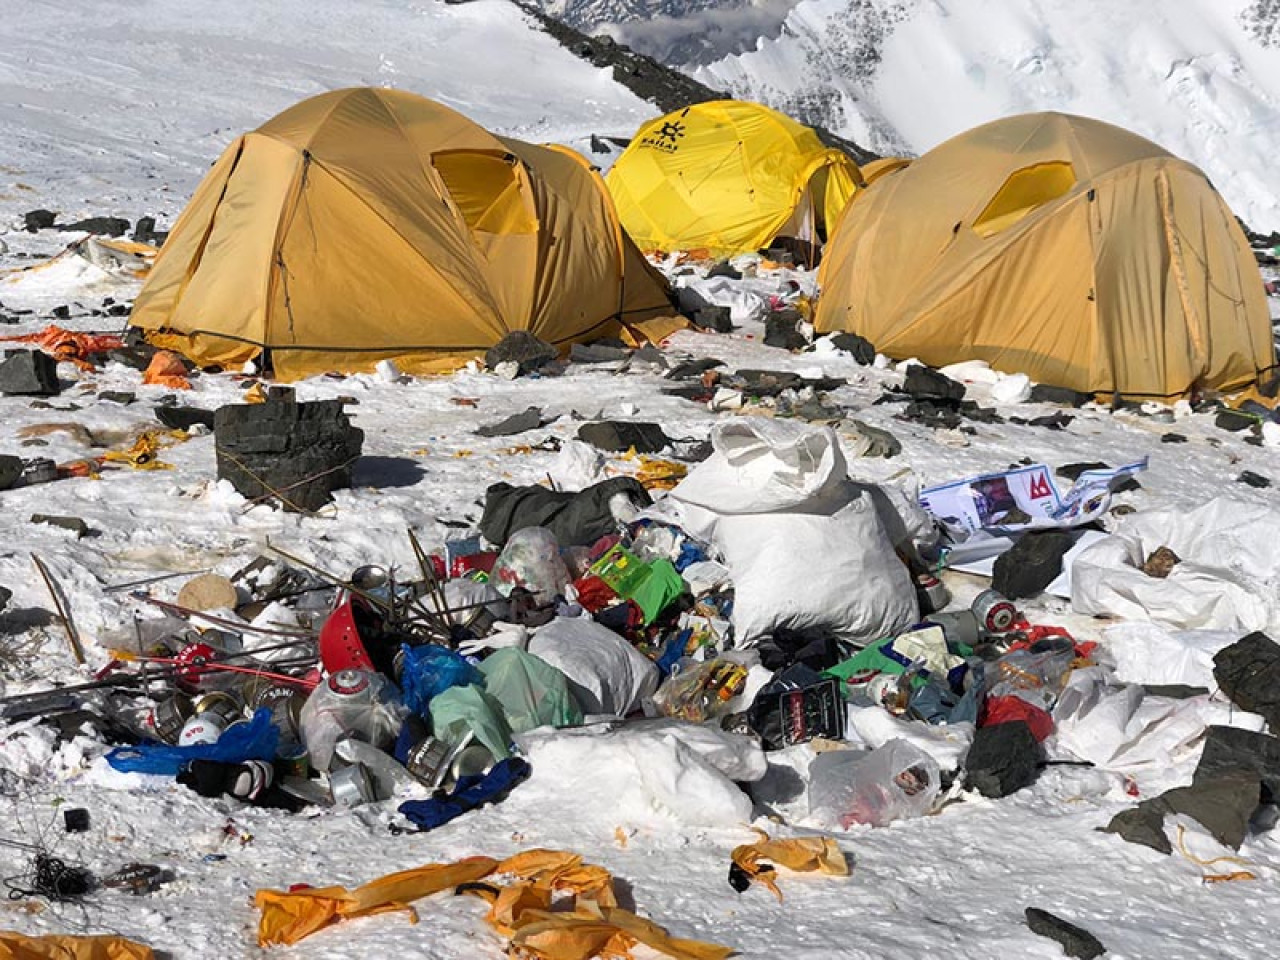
point(470, 793)
point(576, 519)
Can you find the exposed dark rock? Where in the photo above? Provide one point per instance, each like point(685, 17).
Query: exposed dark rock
point(184, 418)
point(102, 226)
point(781, 329)
point(925, 383)
point(619, 436)
point(691, 369)
point(724, 269)
point(522, 348)
point(1076, 941)
point(298, 453)
point(1234, 420)
point(1172, 437)
point(1233, 748)
point(1032, 564)
point(1223, 804)
point(31, 373)
point(122, 397)
point(862, 349)
point(1256, 480)
point(1003, 759)
point(712, 318)
point(10, 470)
point(1044, 393)
point(530, 419)
point(74, 524)
point(34, 220)
point(145, 232)
point(1160, 563)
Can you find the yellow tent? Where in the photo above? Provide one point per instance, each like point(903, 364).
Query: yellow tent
point(365, 224)
point(728, 176)
point(1056, 246)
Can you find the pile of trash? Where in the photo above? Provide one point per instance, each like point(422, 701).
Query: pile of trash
point(768, 611)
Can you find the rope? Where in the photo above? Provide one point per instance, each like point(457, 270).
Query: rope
point(53, 879)
point(1214, 877)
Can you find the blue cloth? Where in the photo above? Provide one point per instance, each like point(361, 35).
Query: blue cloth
point(255, 740)
point(470, 792)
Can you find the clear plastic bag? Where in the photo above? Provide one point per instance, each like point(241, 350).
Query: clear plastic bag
point(1037, 674)
point(351, 704)
point(894, 782)
point(698, 692)
point(531, 559)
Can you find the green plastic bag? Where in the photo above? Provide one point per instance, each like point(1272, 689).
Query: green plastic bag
point(462, 710)
point(531, 691)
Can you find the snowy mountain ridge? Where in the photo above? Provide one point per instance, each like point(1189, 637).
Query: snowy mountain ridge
point(1199, 77)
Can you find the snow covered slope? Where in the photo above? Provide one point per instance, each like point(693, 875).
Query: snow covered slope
point(1200, 77)
point(120, 108)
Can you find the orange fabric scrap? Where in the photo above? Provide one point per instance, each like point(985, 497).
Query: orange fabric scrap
point(288, 916)
point(56, 946)
point(802, 854)
point(70, 345)
point(584, 923)
point(166, 369)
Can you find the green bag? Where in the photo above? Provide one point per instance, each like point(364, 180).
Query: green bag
point(531, 691)
point(462, 710)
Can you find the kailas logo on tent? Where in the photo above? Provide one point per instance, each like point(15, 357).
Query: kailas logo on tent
point(666, 137)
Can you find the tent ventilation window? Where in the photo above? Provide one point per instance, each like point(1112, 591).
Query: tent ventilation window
point(1023, 192)
point(486, 189)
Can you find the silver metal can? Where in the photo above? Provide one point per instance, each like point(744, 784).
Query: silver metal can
point(994, 612)
point(428, 761)
point(169, 715)
point(351, 786)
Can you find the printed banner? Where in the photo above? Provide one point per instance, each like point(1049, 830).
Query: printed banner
point(1022, 499)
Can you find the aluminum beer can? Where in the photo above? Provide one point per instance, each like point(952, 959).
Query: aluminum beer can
point(994, 612)
point(202, 728)
point(169, 715)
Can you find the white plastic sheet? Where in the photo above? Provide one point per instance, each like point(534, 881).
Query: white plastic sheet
point(1228, 577)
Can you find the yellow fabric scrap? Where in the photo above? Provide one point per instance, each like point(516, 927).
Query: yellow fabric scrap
point(56, 946)
point(801, 854)
point(655, 473)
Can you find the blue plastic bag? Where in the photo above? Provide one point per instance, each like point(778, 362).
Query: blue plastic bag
point(255, 740)
point(430, 670)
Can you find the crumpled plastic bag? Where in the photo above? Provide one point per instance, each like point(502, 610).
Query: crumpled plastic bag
point(57, 946)
point(256, 740)
point(894, 782)
point(802, 854)
point(374, 717)
point(532, 692)
point(531, 559)
point(462, 711)
point(429, 670)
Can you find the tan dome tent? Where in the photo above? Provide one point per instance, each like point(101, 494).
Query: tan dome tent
point(728, 177)
point(1056, 246)
point(364, 224)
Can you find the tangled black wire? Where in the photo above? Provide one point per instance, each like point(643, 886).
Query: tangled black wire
point(53, 879)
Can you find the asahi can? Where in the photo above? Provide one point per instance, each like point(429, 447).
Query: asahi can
point(931, 593)
point(428, 761)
